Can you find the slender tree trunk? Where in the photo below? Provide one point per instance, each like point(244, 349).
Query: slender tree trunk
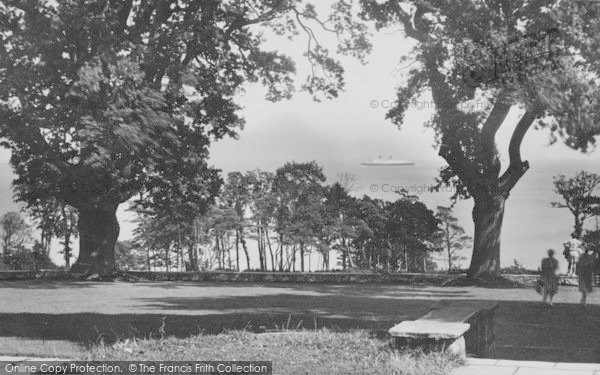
point(268, 240)
point(237, 250)
point(193, 264)
point(177, 257)
point(346, 258)
point(167, 257)
point(449, 247)
point(228, 249)
point(488, 213)
point(148, 258)
point(302, 257)
point(43, 241)
point(343, 257)
point(98, 233)
point(245, 248)
point(259, 244)
point(349, 257)
point(281, 249)
point(179, 249)
point(286, 264)
point(363, 257)
point(47, 243)
point(67, 249)
point(218, 251)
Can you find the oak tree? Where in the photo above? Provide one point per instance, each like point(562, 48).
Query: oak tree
point(478, 60)
point(100, 99)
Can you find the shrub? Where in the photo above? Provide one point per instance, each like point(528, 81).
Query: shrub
point(517, 269)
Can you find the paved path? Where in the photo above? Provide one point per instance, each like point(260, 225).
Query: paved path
point(476, 366)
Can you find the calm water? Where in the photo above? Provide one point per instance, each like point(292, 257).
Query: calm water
point(531, 225)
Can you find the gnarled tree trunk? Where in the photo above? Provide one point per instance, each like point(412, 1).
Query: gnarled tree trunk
point(487, 217)
point(98, 232)
point(488, 188)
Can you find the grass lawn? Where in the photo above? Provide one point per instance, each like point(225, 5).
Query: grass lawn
point(61, 319)
point(305, 352)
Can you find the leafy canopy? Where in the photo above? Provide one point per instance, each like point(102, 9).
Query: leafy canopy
point(100, 99)
point(478, 59)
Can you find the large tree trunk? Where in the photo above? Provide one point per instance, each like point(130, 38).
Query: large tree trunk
point(487, 216)
point(98, 232)
point(578, 228)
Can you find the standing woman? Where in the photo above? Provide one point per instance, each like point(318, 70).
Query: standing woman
point(549, 274)
point(585, 271)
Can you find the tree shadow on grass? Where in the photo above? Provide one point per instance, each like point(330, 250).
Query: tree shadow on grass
point(562, 333)
point(375, 289)
point(524, 330)
point(383, 289)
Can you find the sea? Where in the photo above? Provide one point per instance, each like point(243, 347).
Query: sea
point(531, 225)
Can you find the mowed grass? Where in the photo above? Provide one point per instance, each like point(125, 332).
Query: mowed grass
point(292, 352)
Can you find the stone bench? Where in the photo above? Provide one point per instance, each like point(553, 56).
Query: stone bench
point(460, 327)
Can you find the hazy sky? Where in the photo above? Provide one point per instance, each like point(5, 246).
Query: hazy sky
point(353, 126)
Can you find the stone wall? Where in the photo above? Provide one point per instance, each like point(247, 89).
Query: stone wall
point(523, 280)
point(249, 277)
point(289, 277)
point(283, 277)
point(530, 280)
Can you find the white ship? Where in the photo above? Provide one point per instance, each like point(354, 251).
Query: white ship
point(390, 162)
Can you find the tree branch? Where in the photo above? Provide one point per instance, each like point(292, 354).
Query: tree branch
point(517, 167)
point(409, 29)
point(240, 22)
point(450, 150)
point(462, 166)
point(488, 151)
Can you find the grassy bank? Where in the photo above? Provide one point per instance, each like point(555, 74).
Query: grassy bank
point(306, 352)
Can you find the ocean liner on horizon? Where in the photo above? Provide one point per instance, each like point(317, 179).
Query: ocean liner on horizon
point(390, 162)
